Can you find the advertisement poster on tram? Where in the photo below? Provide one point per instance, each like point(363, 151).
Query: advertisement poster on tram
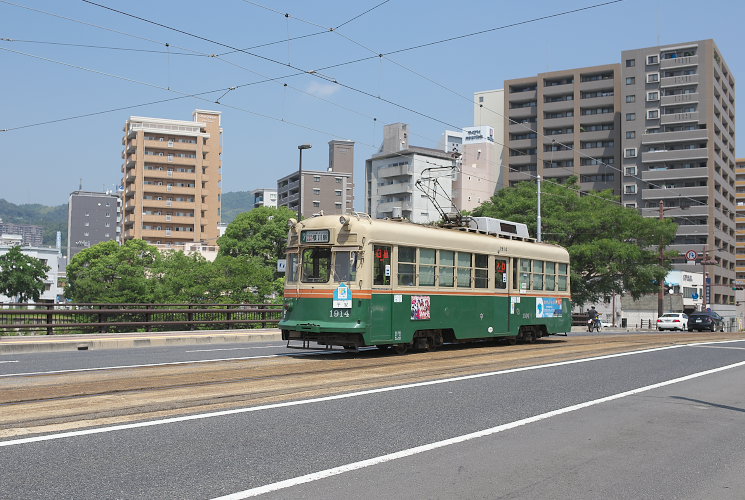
point(419, 307)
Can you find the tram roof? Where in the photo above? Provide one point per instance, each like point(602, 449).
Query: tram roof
point(410, 234)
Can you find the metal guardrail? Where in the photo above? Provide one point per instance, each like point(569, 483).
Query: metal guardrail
point(34, 319)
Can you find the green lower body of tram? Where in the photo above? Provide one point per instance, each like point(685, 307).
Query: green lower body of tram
point(422, 321)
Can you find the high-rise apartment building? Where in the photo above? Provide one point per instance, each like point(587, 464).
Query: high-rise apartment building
point(91, 219)
point(172, 176)
point(330, 191)
point(30, 234)
point(263, 198)
point(564, 123)
point(740, 223)
point(678, 139)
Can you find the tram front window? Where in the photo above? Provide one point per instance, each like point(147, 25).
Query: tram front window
point(345, 266)
point(316, 265)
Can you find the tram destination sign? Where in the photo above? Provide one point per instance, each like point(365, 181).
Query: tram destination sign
point(314, 236)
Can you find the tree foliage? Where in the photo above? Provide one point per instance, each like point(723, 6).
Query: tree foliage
point(262, 233)
point(613, 249)
point(22, 276)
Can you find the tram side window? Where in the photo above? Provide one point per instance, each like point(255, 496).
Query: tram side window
point(447, 265)
point(427, 261)
point(537, 275)
point(345, 266)
point(500, 276)
point(316, 265)
point(562, 277)
point(550, 276)
point(525, 268)
point(407, 266)
point(291, 272)
point(481, 271)
point(464, 269)
point(382, 266)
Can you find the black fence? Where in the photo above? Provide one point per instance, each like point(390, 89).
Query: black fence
point(35, 319)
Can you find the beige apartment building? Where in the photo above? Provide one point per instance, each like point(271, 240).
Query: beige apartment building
point(564, 123)
point(171, 176)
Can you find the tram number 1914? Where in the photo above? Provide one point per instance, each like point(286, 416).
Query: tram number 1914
point(339, 313)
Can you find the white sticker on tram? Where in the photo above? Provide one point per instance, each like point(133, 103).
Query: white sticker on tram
point(199, 416)
point(288, 483)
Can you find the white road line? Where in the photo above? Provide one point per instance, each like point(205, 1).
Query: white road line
point(53, 372)
point(721, 347)
point(288, 483)
point(200, 416)
point(10, 361)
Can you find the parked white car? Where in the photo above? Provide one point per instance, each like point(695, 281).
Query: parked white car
point(672, 321)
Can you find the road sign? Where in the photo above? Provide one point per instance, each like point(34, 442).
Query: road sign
point(694, 296)
point(691, 255)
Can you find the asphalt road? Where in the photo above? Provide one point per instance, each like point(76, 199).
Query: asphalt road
point(650, 424)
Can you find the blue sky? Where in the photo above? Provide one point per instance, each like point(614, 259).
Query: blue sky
point(264, 122)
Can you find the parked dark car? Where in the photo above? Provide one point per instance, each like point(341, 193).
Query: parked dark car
point(705, 321)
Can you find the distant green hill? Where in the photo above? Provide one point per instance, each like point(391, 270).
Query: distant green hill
point(234, 203)
point(52, 219)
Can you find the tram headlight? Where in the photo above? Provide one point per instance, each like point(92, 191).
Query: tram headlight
point(344, 220)
point(292, 223)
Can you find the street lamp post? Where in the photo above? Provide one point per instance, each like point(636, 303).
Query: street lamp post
point(300, 180)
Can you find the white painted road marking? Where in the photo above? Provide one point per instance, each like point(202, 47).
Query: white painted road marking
point(288, 483)
point(10, 361)
point(237, 348)
point(721, 347)
point(235, 411)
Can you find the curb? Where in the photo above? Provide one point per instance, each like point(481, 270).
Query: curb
point(21, 345)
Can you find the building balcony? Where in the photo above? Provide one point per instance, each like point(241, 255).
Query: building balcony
point(679, 62)
point(396, 188)
point(524, 143)
point(678, 81)
point(675, 155)
point(606, 84)
point(522, 159)
point(388, 206)
point(396, 171)
point(167, 146)
point(600, 118)
point(522, 113)
point(675, 100)
point(666, 119)
point(168, 219)
point(561, 155)
point(520, 128)
point(554, 90)
point(694, 210)
point(693, 230)
point(602, 101)
point(672, 174)
point(151, 204)
point(675, 193)
point(552, 107)
point(598, 152)
point(528, 95)
point(682, 136)
point(165, 175)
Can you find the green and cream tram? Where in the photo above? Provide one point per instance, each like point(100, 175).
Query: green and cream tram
point(352, 281)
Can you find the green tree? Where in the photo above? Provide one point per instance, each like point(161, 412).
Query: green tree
point(108, 272)
point(22, 276)
point(613, 249)
point(241, 279)
point(181, 278)
point(262, 233)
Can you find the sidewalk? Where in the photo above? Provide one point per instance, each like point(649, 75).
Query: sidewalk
point(49, 343)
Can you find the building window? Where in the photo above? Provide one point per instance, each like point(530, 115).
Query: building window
point(629, 170)
point(481, 99)
point(630, 98)
point(629, 153)
point(653, 114)
point(316, 178)
point(630, 205)
point(337, 192)
point(630, 117)
point(316, 190)
point(630, 63)
point(653, 96)
point(316, 204)
point(653, 77)
point(630, 134)
point(653, 59)
point(630, 80)
point(629, 189)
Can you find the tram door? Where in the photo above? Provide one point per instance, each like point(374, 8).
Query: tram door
point(501, 284)
point(381, 305)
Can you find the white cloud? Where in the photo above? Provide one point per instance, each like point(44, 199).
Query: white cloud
point(322, 89)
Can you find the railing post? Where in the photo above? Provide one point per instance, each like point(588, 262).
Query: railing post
point(148, 319)
point(190, 318)
point(50, 319)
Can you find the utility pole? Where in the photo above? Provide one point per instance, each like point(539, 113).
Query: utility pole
point(661, 291)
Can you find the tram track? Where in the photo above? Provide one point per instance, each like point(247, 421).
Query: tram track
point(74, 400)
